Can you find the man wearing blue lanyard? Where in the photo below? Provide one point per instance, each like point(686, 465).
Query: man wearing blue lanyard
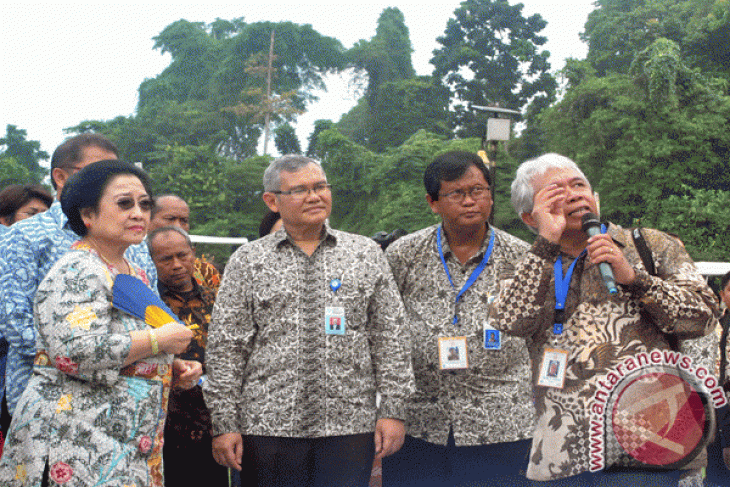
point(471, 416)
point(584, 338)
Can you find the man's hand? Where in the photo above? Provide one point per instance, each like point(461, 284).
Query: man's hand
point(389, 436)
point(548, 213)
point(185, 373)
point(726, 456)
point(228, 450)
point(602, 248)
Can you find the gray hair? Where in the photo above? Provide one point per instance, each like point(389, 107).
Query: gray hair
point(288, 163)
point(170, 228)
point(522, 191)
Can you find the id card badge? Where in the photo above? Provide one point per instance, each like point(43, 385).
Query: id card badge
point(492, 338)
point(552, 368)
point(452, 353)
point(334, 320)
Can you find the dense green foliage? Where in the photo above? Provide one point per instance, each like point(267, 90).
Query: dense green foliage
point(490, 54)
point(646, 115)
point(649, 120)
point(20, 158)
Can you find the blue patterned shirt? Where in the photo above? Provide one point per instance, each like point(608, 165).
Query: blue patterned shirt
point(3, 342)
point(30, 248)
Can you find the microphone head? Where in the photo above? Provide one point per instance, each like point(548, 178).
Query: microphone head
point(589, 220)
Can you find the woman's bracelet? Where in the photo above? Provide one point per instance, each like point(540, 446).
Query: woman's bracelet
point(153, 342)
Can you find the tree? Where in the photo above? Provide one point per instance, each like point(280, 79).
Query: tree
point(213, 67)
point(17, 150)
point(285, 138)
point(387, 56)
point(646, 139)
point(319, 127)
point(490, 55)
point(618, 29)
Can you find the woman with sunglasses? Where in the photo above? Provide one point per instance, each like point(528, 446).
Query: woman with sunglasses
point(94, 411)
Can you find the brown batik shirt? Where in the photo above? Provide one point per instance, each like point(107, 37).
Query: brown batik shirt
point(488, 402)
point(600, 331)
point(188, 418)
point(272, 369)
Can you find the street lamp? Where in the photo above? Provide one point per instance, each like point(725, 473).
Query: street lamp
point(498, 128)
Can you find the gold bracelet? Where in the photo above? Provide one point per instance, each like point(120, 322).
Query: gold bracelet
point(153, 342)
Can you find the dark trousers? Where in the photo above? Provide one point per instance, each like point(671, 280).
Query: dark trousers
point(423, 464)
point(333, 461)
point(189, 463)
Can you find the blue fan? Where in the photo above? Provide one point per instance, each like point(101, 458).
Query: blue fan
point(132, 296)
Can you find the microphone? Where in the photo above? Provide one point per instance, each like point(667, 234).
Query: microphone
point(592, 226)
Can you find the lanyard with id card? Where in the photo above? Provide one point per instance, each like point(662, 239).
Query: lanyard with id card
point(555, 361)
point(453, 352)
point(334, 316)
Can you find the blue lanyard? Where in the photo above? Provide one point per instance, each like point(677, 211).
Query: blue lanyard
point(474, 275)
point(562, 284)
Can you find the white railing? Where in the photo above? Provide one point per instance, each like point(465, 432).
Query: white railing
point(218, 240)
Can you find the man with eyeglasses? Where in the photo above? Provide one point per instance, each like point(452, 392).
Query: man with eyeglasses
point(470, 419)
point(29, 249)
point(307, 327)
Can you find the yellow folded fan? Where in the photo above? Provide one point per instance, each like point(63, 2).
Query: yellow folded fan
point(131, 295)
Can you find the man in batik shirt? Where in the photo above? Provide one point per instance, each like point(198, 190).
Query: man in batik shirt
point(307, 329)
point(187, 452)
point(172, 210)
point(470, 419)
point(581, 337)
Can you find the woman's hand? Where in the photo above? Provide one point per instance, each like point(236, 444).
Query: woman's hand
point(185, 373)
point(173, 337)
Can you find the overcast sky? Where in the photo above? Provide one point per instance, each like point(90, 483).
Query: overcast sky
point(65, 63)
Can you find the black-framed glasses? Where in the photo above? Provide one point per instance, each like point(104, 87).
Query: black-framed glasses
point(301, 193)
point(458, 195)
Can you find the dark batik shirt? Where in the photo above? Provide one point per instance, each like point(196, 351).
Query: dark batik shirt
point(188, 418)
point(600, 332)
point(272, 369)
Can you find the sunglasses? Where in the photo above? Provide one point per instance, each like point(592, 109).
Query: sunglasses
point(125, 204)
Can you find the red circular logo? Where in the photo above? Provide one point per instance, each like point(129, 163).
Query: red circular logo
point(659, 419)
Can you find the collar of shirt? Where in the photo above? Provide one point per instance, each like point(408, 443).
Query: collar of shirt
point(447, 249)
point(281, 236)
point(165, 291)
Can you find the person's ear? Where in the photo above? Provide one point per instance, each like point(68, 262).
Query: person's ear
point(432, 203)
point(529, 220)
point(60, 176)
point(270, 200)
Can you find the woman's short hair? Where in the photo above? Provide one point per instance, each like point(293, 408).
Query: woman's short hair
point(84, 189)
point(14, 196)
point(268, 222)
point(288, 163)
point(522, 190)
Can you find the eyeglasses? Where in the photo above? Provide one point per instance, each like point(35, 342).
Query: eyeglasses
point(125, 204)
point(457, 196)
point(301, 193)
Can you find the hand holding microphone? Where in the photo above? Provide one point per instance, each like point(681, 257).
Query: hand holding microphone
point(602, 251)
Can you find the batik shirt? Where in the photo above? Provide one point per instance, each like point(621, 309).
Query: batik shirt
point(489, 402)
point(206, 274)
point(600, 332)
point(188, 418)
point(30, 248)
point(272, 369)
point(89, 418)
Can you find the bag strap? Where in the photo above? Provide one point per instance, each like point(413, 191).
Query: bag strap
point(643, 250)
point(648, 260)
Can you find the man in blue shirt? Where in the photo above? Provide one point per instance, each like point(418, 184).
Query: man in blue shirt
point(31, 247)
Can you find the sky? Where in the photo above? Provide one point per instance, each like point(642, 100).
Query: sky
point(65, 63)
